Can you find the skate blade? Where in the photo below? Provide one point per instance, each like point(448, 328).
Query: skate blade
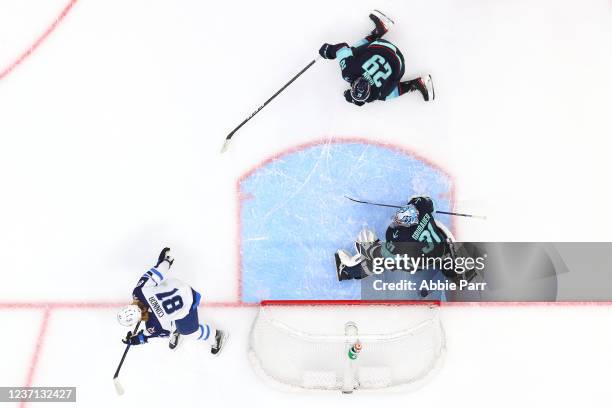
point(430, 88)
point(224, 340)
point(384, 18)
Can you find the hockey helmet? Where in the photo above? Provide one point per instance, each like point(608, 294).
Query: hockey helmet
point(129, 315)
point(360, 89)
point(406, 216)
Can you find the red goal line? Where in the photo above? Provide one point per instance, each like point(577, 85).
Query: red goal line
point(15, 305)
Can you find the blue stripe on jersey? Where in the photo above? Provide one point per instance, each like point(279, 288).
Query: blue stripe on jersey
point(148, 275)
point(155, 271)
point(343, 53)
point(202, 328)
point(201, 332)
point(385, 44)
point(196, 299)
point(361, 42)
point(390, 46)
point(394, 94)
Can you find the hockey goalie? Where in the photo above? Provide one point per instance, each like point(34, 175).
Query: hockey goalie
point(413, 231)
point(169, 309)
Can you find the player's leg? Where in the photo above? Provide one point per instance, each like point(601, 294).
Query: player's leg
point(189, 327)
point(358, 266)
point(349, 270)
point(382, 24)
point(423, 84)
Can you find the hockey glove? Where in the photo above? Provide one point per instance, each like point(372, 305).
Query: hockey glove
point(135, 339)
point(164, 256)
point(349, 98)
point(328, 51)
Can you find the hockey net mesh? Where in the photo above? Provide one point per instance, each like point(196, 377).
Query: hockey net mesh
point(304, 345)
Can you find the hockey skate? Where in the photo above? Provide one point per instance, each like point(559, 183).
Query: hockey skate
point(175, 339)
point(429, 94)
point(423, 84)
point(220, 340)
point(381, 22)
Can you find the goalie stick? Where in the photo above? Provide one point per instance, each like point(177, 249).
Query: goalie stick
point(118, 386)
point(482, 217)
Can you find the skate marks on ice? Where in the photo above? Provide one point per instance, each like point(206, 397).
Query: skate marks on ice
point(293, 214)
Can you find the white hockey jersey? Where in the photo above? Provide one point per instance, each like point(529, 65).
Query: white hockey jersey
point(169, 300)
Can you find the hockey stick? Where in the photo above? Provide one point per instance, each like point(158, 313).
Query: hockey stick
point(118, 386)
point(229, 136)
point(482, 217)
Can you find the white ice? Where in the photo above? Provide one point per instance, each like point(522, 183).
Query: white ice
point(109, 139)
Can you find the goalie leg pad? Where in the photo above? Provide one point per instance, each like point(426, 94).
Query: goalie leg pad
point(349, 260)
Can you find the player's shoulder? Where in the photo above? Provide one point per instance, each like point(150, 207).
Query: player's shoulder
point(399, 233)
point(173, 282)
point(382, 47)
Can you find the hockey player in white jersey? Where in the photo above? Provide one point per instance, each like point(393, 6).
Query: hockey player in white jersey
point(169, 308)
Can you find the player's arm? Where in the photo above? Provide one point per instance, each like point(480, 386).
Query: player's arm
point(345, 56)
point(136, 338)
point(155, 275)
point(153, 328)
point(152, 277)
point(139, 338)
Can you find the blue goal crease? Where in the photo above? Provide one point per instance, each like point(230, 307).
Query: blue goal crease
point(296, 216)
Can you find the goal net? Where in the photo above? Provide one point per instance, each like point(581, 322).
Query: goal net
point(346, 345)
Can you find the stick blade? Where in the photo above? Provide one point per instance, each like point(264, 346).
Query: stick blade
point(225, 145)
point(118, 386)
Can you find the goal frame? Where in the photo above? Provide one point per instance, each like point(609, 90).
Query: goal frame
point(385, 336)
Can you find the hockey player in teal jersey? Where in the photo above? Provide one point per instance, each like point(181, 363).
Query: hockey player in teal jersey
point(374, 67)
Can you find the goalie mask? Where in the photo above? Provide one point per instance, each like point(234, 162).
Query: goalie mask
point(406, 216)
point(360, 89)
point(129, 315)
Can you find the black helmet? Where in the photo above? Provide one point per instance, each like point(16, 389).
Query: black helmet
point(360, 89)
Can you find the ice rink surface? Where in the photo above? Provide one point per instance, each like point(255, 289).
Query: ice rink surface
point(112, 115)
point(294, 213)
